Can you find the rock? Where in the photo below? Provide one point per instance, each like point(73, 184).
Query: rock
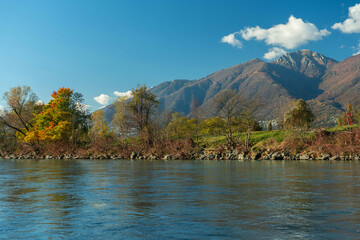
point(167, 157)
point(325, 156)
point(305, 157)
point(133, 155)
point(241, 156)
point(257, 156)
point(152, 157)
point(335, 158)
point(277, 156)
point(230, 156)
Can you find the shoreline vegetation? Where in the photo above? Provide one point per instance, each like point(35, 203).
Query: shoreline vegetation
point(64, 129)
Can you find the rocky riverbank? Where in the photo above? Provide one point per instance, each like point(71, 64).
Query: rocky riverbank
point(205, 155)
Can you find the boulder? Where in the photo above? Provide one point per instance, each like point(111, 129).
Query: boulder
point(304, 157)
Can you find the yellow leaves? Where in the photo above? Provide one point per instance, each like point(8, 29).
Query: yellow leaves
point(99, 125)
point(54, 122)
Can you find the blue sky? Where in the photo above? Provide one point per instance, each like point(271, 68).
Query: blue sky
point(99, 47)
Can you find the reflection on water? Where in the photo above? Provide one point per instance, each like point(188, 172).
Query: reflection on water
point(83, 199)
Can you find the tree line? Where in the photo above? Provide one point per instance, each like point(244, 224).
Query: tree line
point(64, 124)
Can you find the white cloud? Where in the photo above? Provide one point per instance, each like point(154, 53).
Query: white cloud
point(230, 39)
point(357, 49)
point(123, 94)
point(291, 35)
point(274, 52)
point(39, 102)
point(103, 99)
point(352, 23)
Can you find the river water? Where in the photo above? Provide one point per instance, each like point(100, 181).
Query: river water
point(117, 199)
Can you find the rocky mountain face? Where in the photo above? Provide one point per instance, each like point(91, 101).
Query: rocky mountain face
point(326, 84)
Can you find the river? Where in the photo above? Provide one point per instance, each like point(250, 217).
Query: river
point(123, 199)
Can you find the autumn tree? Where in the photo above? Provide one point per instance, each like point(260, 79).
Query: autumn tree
point(300, 118)
point(99, 125)
point(142, 107)
point(100, 134)
point(17, 115)
point(348, 117)
point(58, 119)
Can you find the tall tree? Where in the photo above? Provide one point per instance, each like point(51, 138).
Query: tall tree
point(57, 120)
point(120, 121)
point(196, 112)
point(142, 107)
point(99, 126)
point(300, 118)
point(228, 105)
point(248, 117)
point(21, 103)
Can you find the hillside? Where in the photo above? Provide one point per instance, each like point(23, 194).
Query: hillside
point(326, 84)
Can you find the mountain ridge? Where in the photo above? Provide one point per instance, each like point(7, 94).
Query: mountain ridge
point(320, 80)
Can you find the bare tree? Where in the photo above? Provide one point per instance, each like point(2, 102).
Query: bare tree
point(248, 115)
point(142, 107)
point(228, 105)
point(196, 112)
point(120, 121)
point(18, 112)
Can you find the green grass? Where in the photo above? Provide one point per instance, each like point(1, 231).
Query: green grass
point(258, 136)
point(342, 128)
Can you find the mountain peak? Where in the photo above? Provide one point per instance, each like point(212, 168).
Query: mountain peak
point(305, 61)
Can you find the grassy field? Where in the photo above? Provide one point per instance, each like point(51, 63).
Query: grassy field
point(255, 137)
point(259, 136)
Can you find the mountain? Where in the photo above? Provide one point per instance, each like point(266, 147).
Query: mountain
point(341, 84)
point(327, 85)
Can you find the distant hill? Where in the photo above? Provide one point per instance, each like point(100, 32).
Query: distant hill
point(326, 84)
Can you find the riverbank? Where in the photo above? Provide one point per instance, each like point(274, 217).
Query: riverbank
point(205, 155)
point(332, 144)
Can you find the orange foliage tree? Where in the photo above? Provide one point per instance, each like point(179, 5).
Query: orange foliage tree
point(55, 122)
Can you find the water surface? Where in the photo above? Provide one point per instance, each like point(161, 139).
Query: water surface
point(114, 199)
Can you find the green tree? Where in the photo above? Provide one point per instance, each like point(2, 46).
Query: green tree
point(300, 118)
point(269, 126)
point(181, 127)
point(212, 126)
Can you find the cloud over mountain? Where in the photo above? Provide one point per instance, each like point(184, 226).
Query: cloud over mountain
point(291, 35)
point(103, 99)
point(230, 39)
point(352, 23)
point(123, 94)
point(274, 52)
